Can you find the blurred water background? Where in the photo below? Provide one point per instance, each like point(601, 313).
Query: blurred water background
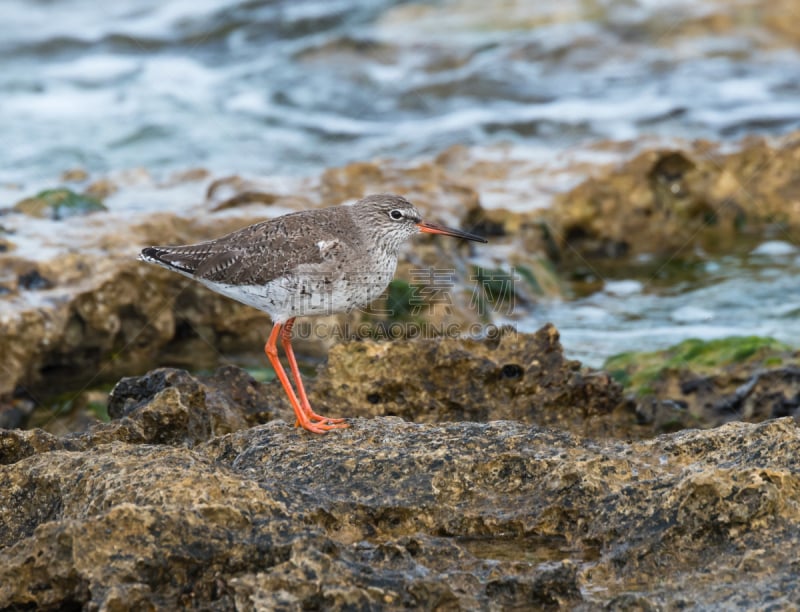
point(290, 87)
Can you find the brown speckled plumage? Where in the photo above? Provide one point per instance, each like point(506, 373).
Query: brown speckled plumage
point(260, 253)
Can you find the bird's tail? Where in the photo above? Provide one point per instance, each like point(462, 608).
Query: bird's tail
point(167, 257)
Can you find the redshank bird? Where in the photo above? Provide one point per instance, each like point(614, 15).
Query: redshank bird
point(311, 262)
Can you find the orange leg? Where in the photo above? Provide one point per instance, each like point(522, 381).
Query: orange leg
point(286, 341)
point(271, 349)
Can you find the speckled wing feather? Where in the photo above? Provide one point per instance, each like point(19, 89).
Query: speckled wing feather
point(260, 253)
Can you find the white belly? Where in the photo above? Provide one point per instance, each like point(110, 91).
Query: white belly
point(291, 296)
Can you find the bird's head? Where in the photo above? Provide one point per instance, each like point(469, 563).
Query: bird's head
point(393, 219)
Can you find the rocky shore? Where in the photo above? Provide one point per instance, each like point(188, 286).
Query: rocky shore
point(177, 502)
point(478, 473)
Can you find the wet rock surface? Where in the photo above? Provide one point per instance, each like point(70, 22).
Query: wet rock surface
point(194, 495)
point(669, 201)
point(393, 514)
point(704, 384)
point(521, 377)
point(120, 311)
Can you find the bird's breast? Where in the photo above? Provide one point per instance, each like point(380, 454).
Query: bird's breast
point(342, 286)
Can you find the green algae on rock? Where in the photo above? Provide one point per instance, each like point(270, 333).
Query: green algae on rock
point(57, 204)
point(704, 383)
point(639, 371)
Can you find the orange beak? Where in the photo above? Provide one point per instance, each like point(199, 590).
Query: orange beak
point(432, 228)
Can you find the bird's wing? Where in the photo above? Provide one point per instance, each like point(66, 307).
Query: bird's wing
point(256, 254)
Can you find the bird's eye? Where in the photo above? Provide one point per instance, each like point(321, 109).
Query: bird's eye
point(396, 215)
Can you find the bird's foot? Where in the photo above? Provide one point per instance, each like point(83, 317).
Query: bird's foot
point(314, 416)
point(322, 424)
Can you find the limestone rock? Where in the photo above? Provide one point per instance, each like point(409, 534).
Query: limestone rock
point(393, 515)
point(661, 202)
point(703, 384)
point(523, 377)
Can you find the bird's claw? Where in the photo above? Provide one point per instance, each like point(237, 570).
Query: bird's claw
point(322, 424)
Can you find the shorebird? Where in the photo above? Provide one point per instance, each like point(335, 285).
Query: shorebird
point(312, 262)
